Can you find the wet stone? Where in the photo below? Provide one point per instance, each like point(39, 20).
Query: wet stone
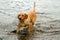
point(1, 38)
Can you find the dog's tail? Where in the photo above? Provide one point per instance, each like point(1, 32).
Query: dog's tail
point(34, 8)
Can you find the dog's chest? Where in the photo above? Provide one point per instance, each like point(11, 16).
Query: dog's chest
point(23, 24)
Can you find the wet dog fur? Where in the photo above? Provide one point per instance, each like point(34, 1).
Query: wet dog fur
point(26, 18)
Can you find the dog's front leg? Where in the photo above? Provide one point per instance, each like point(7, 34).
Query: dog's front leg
point(29, 28)
point(18, 28)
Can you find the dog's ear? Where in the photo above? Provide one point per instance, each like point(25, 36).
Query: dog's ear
point(26, 16)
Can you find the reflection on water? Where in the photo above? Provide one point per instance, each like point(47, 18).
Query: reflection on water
point(24, 34)
point(25, 37)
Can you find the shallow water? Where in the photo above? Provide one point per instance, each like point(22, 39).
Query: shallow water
point(48, 19)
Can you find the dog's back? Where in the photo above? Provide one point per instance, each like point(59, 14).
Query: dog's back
point(32, 14)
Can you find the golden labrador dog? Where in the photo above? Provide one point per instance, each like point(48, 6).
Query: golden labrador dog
point(26, 18)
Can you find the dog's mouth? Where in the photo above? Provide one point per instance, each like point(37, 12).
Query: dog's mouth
point(20, 19)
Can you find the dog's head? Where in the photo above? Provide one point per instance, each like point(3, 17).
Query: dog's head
point(22, 16)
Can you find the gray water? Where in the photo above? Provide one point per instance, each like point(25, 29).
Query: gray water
point(48, 18)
